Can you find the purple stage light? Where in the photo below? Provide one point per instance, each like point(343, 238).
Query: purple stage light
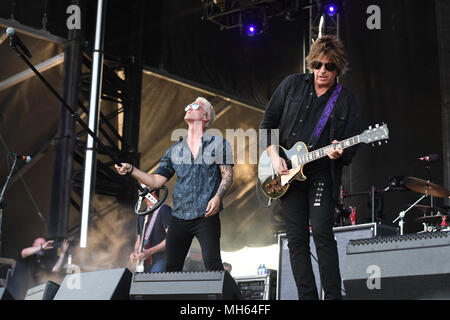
point(331, 9)
point(251, 30)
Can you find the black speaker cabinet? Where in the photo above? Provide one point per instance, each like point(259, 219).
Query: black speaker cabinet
point(409, 267)
point(5, 295)
point(45, 291)
point(208, 285)
point(98, 285)
point(286, 287)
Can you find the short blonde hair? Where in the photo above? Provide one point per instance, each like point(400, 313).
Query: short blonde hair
point(210, 111)
point(330, 47)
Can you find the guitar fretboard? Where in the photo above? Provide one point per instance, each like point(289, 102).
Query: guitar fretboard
point(320, 153)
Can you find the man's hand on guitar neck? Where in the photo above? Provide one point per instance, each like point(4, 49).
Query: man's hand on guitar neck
point(145, 254)
point(334, 154)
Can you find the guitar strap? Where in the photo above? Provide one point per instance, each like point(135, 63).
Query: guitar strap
point(325, 115)
point(148, 232)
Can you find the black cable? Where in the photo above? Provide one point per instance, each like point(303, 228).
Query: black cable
point(259, 197)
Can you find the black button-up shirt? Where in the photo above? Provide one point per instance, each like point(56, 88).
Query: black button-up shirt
point(310, 112)
point(287, 107)
point(199, 178)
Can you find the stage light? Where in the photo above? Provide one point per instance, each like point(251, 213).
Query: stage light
point(254, 21)
point(331, 9)
point(251, 30)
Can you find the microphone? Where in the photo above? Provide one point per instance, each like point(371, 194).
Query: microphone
point(430, 158)
point(20, 156)
point(15, 38)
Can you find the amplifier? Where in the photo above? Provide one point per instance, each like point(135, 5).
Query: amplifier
point(286, 287)
point(412, 266)
point(208, 285)
point(45, 291)
point(111, 284)
point(261, 287)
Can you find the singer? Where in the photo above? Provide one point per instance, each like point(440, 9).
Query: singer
point(204, 166)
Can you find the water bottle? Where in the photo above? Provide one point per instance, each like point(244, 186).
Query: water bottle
point(259, 271)
point(264, 269)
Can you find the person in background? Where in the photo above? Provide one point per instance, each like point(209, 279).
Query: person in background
point(35, 264)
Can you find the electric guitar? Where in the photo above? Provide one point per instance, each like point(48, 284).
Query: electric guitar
point(152, 201)
point(140, 263)
point(275, 186)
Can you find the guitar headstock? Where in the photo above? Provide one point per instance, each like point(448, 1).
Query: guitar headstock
point(377, 133)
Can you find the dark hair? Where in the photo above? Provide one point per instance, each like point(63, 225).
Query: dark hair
point(330, 47)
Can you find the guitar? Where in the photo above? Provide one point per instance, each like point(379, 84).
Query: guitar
point(140, 263)
point(152, 201)
point(275, 186)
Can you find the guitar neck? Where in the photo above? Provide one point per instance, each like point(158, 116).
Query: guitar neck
point(321, 153)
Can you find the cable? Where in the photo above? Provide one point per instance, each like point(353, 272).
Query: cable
point(269, 203)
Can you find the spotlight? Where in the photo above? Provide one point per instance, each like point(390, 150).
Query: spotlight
point(331, 9)
point(251, 30)
point(254, 21)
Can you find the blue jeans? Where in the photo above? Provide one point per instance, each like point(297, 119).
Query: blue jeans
point(157, 266)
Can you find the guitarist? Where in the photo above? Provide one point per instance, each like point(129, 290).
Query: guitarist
point(303, 109)
point(154, 245)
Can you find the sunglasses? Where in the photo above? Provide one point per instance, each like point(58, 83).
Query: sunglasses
point(328, 66)
point(194, 106)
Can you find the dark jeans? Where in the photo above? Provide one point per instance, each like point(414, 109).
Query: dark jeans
point(179, 239)
point(304, 203)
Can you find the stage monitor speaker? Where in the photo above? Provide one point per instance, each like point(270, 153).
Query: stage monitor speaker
point(208, 285)
point(408, 267)
point(45, 291)
point(286, 287)
point(5, 295)
point(98, 285)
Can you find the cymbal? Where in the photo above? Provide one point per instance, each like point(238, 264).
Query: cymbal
point(434, 219)
point(428, 209)
point(425, 187)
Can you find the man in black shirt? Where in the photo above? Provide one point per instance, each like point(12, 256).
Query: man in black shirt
point(35, 265)
point(296, 108)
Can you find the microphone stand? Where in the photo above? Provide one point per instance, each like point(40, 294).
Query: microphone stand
point(2, 197)
point(75, 116)
point(428, 168)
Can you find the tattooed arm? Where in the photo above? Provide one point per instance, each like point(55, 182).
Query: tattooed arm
point(227, 179)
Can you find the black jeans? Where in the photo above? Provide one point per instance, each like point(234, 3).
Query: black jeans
point(304, 203)
point(179, 239)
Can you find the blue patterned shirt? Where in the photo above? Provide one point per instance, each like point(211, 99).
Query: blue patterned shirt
point(199, 178)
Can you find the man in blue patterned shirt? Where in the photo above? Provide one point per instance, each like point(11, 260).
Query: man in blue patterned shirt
point(204, 166)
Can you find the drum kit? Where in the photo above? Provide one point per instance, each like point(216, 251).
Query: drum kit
point(434, 219)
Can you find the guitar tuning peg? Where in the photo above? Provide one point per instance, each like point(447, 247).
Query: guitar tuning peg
point(379, 143)
point(373, 144)
point(386, 141)
point(370, 127)
point(377, 125)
